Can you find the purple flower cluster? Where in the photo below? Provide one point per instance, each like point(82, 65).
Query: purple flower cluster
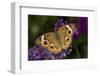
point(59, 23)
point(40, 53)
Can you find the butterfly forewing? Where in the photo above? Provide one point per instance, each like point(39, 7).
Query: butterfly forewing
point(65, 36)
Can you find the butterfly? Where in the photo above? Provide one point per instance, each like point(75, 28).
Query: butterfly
point(56, 41)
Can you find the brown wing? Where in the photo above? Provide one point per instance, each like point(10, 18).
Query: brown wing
point(50, 42)
point(65, 36)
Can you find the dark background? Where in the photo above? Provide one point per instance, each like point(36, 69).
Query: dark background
point(39, 25)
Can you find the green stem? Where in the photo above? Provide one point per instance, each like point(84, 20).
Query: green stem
point(78, 54)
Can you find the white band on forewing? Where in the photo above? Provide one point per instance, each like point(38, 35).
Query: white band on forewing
point(67, 26)
point(42, 39)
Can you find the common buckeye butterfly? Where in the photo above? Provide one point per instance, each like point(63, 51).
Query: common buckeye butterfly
point(57, 41)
